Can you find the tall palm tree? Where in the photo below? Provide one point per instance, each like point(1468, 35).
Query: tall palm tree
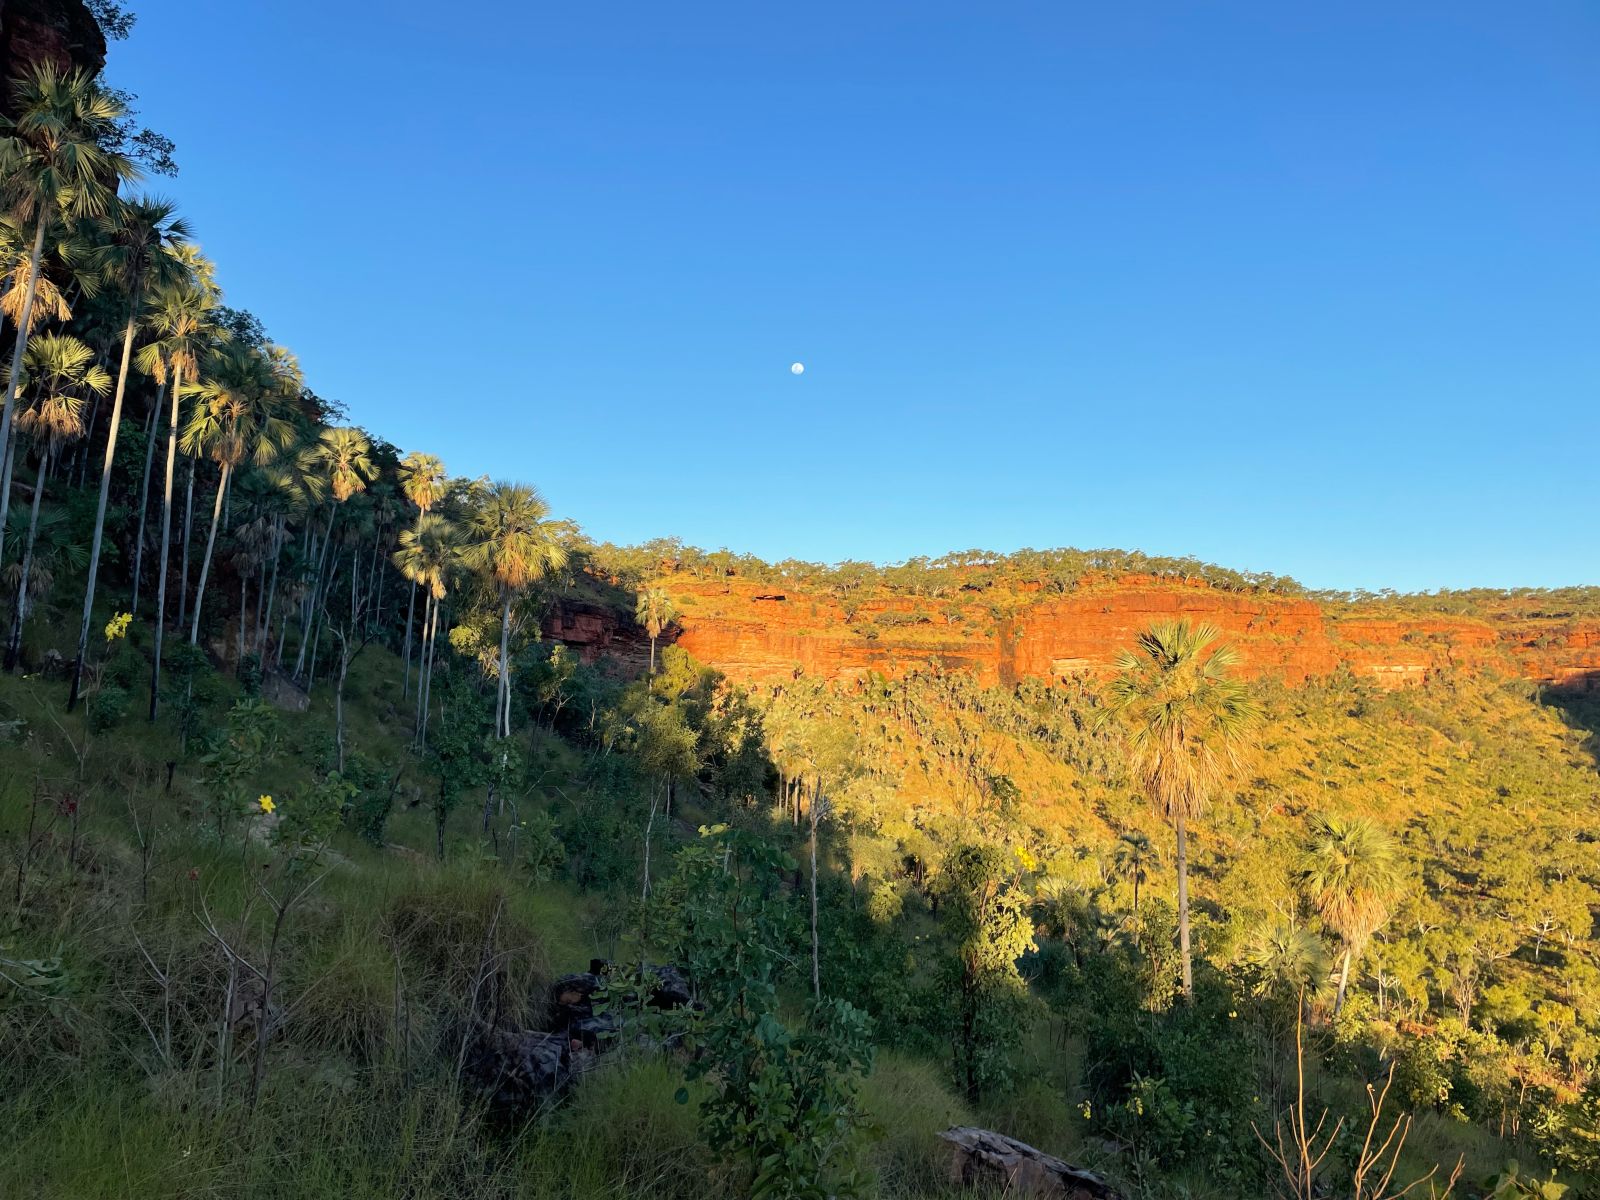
point(54, 167)
point(1134, 855)
point(429, 553)
point(1185, 719)
point(655, 611)
point(423, 482)
point(238, 416)
point(59, 369)
point(153, 360)
point(1350, 872)
point(145, 240)
point(181, 318)
point(341, 457)
point(513, 544)
point(19, 288)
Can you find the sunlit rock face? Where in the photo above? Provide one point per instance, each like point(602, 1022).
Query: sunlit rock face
point(754, 632)
point(55, 31)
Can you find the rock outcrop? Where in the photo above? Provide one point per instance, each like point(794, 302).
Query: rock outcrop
point(982, 1158)
point(62, 32)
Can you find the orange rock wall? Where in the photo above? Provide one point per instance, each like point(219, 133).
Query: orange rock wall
point(753, 631)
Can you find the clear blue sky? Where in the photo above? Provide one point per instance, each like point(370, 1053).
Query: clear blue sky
point(1304, 288)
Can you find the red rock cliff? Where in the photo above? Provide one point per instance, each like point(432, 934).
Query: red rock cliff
point(755, 631)
point(62, 32)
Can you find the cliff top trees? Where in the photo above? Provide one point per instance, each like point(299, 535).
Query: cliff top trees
point(1185, 718)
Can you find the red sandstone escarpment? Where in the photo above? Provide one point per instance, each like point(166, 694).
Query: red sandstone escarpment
point(754, 631)
point(61, 32)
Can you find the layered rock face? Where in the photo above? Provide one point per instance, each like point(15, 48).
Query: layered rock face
point(757, 632)
point(62, 32)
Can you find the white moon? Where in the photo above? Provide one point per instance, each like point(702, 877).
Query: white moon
point(797, 368)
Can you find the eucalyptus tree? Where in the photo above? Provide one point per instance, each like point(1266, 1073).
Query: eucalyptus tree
point(423, 482)
point(654, 610)
point(1350, 872)
point(182, 320)
point(54, 167)
point(239, 415)
point(143, 250)
point(59, 369)
point(1185, 718)
point(513, 543)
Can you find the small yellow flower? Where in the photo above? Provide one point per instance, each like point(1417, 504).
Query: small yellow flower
point(1232, 1016)
point(1028, 861)
point(266, 804)
point(118, 626)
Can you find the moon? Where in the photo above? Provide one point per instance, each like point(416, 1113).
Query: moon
point(797, 368)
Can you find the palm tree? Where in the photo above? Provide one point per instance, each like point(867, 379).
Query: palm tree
point(54, 167)
point(144, 250)
point(341, 457)
point(21, 289)
point(655, 611)
point(424, 483)
point(1185, 717)
point(152, 360)
point(58, 368)
point(1133, 858)
point(513, 544)
point(238, 415)
point(182, 321)
point(1350, 872)
point(429, 553)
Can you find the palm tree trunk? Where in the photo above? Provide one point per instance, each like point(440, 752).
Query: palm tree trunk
point(316, 600)
point(411, 617)
point(503, 707)
point(1183, 907)
point(816, 944)
point(427, 682)
point(1344, 979)
point(265, 626)
point(205, 563)
point(17, 352)
point(20, 612)
point(422, 660)
point(105, 495)
point(188, 522)
point(144, 497)
point(166, 539)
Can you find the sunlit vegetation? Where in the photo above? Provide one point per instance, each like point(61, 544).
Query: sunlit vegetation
point(300, 796)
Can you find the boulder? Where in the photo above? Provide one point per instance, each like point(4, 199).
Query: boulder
point(982, 1157)
point(516, 1071)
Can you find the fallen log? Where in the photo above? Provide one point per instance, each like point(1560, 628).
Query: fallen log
point(981, 1156)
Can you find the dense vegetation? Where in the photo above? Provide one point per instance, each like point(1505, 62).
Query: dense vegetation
point(296, 792)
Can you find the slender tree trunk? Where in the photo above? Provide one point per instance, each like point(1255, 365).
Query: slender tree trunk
point(18, 350)
point(166, 539)
point(205, 563)
point(649, 828)
point(144, 497)
point(427, 683)
point(20, 613)
point(1344, 979)
point(422, 660)
point(411, 615)
point(188, 523)
point(1183, 907)
point(265, 628)
point(316, 595)
point(652, 656)
point(100, 509)
point(816, 944)
point(244, 612)
point(503, 708)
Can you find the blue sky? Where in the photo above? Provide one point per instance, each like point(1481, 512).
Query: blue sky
point(1303, 288)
